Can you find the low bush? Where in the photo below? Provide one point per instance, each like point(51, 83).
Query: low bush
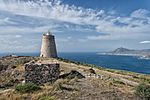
point(46, 98)
point(144, 79)
point(143, 91)
point(28, 87)
point(118, 82)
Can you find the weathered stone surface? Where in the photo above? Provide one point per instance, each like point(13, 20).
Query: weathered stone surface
point(3, 67)
point(41, 73)
point(72, 75)
point(48, 48)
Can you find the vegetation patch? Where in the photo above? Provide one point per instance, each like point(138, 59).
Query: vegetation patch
point(63, 84)
point(28, 87)
point(79, 63)
point(143, 91)
point(118, 82)
point(145, 80)
point(46, 98)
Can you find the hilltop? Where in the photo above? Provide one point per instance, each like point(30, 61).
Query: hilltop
point(83, 81)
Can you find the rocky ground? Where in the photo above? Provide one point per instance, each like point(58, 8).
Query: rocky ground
point(87, 82)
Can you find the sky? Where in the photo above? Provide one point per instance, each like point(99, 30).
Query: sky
point(78, 25)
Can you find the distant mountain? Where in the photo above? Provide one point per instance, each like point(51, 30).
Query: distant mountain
point(121, 50)
point(145, 53)
point(146, 50)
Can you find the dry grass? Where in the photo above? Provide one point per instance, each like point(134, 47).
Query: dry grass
point(115, 85)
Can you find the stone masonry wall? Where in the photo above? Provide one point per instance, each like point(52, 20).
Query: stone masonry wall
point(41, 73)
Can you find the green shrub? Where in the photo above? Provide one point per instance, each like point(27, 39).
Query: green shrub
point(144, 79)
point(28, 87)
point(118, 82)
point(143, 91)
point(46, 98)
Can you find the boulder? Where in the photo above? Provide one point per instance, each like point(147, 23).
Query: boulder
point(3, 67)
point(72, 75)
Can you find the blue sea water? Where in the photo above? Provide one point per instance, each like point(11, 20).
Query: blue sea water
point(128, 63)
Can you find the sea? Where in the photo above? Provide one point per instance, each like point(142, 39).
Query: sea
point(128, 63)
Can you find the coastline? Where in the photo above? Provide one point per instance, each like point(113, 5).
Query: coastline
point(132, 55)
point(117, 62)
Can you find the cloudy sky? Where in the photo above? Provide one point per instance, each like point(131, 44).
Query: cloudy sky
point(78, 25)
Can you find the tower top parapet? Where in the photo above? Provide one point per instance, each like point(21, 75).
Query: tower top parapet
point(47, 33)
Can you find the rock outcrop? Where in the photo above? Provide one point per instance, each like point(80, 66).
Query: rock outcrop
point(3, 67)
point(71, 75)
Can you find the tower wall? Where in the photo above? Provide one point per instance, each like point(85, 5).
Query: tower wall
point(48, 48)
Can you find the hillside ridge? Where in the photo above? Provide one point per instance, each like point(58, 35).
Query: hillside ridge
point(96, 82)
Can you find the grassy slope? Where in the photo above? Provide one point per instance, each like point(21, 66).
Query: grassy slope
point(113, 84)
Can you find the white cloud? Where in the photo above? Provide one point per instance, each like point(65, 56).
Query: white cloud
point(37, 16)
point(67, 39)
point(82, 40)
point(14, 43)
point(52, 9)
point(145, 42)
point(99, 37)
point(18, 36)
point(140, 13)
point(22, 30)
point(102, 21)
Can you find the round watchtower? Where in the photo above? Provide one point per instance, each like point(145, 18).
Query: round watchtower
point(48, 48)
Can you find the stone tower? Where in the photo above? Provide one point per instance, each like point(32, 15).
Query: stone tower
point(48, 48)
